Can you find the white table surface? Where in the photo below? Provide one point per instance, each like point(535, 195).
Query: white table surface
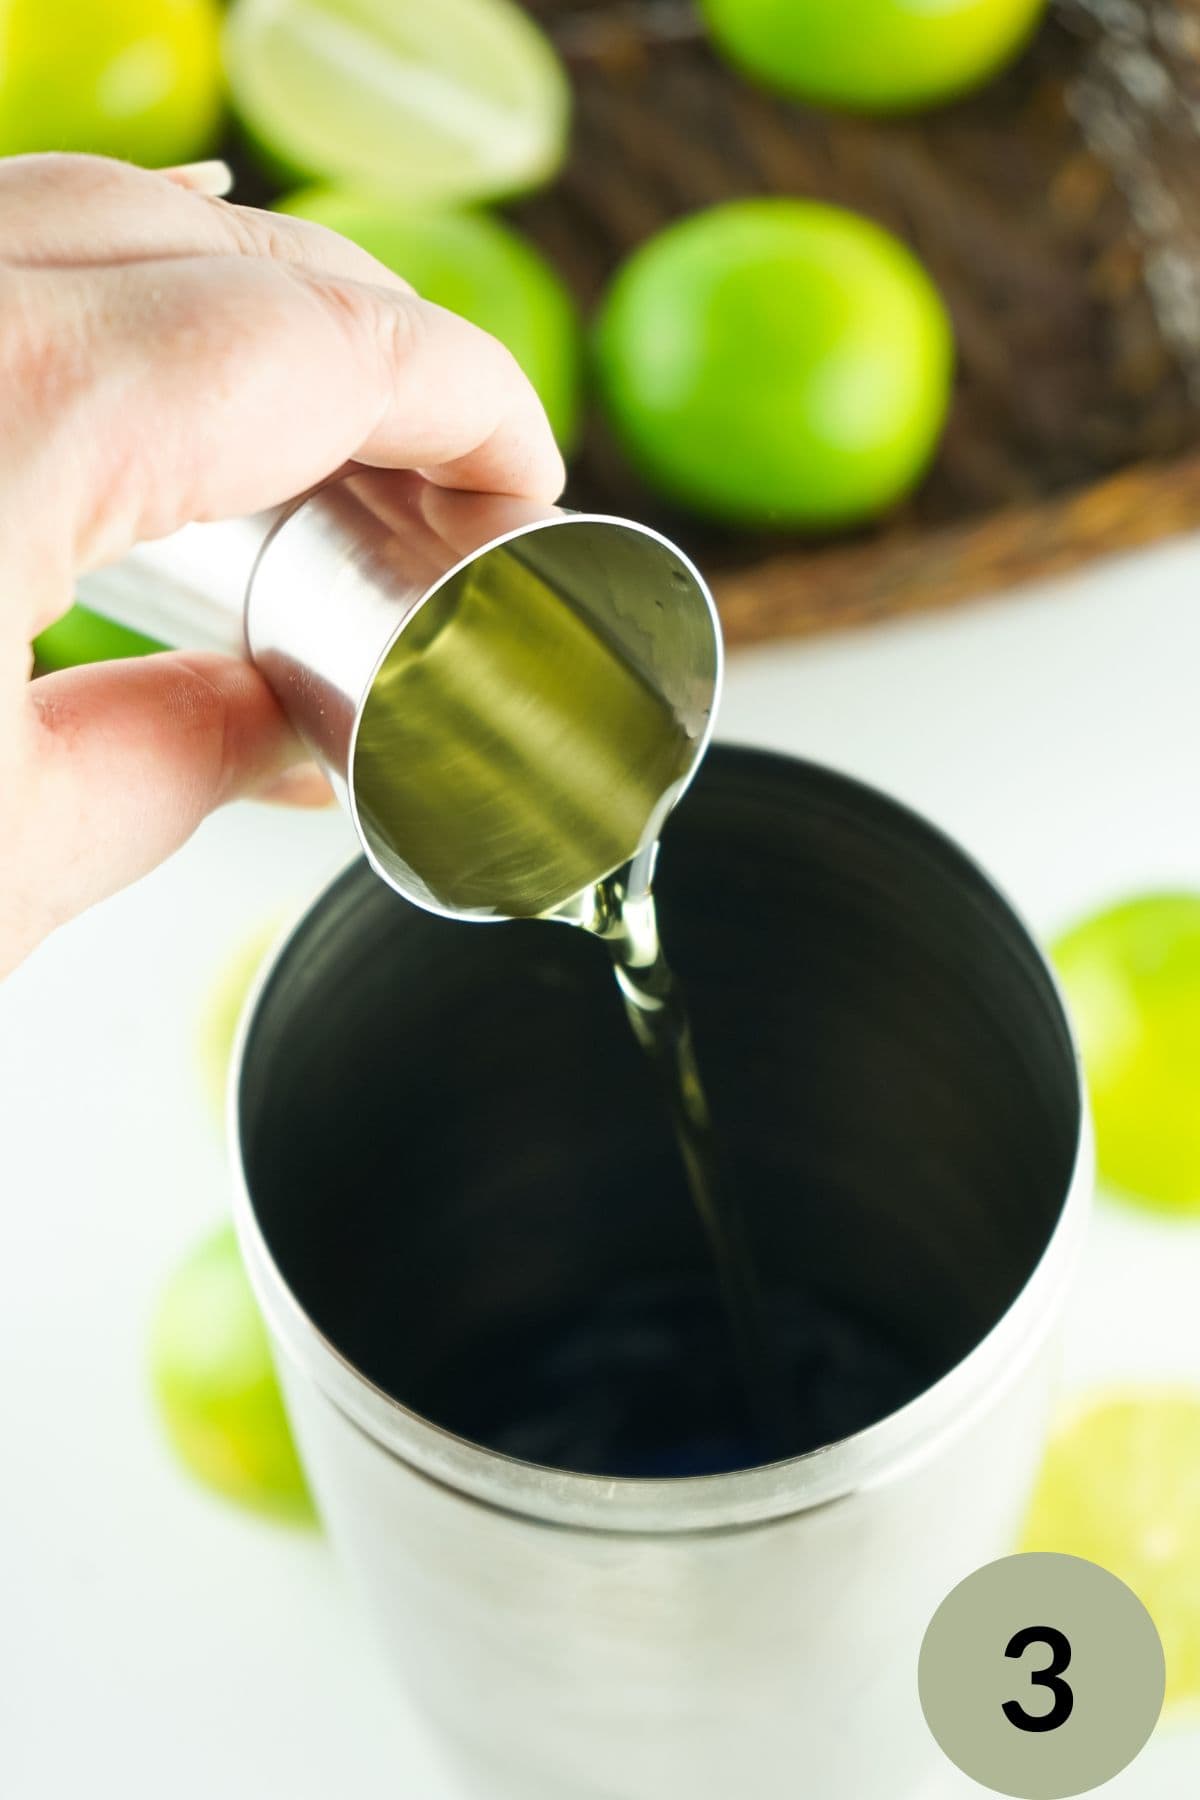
point(156, 1642)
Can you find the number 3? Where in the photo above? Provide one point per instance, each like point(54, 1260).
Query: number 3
point(1064, 1698)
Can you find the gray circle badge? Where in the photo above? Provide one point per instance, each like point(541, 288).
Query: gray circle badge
point(1042, 1676)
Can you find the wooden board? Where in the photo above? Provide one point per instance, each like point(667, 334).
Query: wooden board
point(1059, 211)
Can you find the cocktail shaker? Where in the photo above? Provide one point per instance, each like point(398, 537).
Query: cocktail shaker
point(447, 1157)
point(508, 698)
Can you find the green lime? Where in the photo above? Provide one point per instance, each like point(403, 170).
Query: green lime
point(81, 636)
point(1121, 1487)
point(216, 1386)
point(139, 79)
point(223, 1011)
point(776, 362)
point(872, 55)
point(471, 264)
point(443, 103)
point(1132, 977)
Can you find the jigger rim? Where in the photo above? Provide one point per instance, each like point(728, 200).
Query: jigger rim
point(557, 518)
point(893, 1447)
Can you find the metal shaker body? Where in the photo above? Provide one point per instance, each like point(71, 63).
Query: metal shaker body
point(508, 698)
point(440, 1131)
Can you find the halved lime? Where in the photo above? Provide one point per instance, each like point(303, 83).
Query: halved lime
point(134, 78)
point(1121, 1487)
point(442, 101)
point(216, 1387)
point(1132, 977)
point(81, 636)
point(471, 264)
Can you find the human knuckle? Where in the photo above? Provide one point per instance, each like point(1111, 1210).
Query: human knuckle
point(253, 233)
point(344, 303)
point(400, 328)
point(199, 706)
point(375, 323)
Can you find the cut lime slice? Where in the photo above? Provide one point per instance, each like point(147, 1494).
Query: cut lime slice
point(450, 101)
point(479, 267)
point(1121, 1487)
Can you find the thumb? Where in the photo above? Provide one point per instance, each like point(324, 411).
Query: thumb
point(129, 757)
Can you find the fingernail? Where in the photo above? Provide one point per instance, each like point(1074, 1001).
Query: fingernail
point(214, 177)
point(303, 785)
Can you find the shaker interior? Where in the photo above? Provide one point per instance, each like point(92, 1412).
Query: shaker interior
point(461, 1170)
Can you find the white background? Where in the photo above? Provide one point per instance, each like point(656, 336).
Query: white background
point(155, 1642)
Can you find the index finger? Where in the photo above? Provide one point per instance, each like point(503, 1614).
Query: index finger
point(202, 388)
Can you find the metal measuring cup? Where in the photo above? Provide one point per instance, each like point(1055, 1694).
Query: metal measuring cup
point(508, 698)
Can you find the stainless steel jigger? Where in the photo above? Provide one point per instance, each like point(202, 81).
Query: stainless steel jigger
point(508, 698)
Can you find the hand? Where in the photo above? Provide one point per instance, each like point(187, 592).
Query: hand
point(165, 357)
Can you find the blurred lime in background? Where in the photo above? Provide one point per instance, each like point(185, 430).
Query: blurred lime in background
point(140, 79)
point(216, 1387)
point(223, 1011)
point(1121, 1487)
point(81, 636)
point(472, 264)
point(776, 362)
point(872, 55)
point(443, 101)
point(1132, 978)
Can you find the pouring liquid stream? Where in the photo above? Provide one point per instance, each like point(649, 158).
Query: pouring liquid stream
point(625, 918)
point(512, 746)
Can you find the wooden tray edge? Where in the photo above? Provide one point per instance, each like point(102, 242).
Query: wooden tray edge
point(796, 594)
